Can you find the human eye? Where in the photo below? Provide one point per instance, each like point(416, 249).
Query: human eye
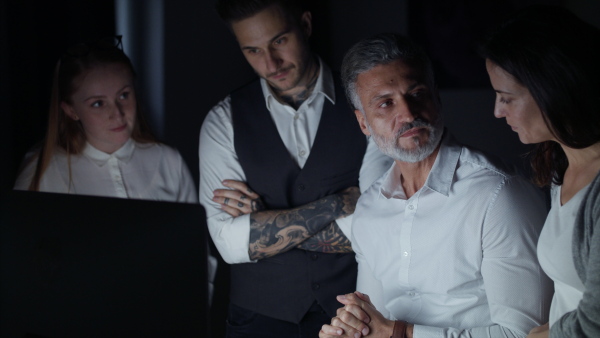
point(385, 104)
point(97, 104)
point(419, 94)
point(124, 96)
point(504, 100)
point(282, 40)
point(252, 51)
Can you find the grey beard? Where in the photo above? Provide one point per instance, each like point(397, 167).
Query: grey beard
point(390, 147)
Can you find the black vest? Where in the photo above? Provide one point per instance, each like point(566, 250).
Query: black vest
point(284, 286)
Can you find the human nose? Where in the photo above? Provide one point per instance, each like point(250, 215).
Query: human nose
point(272, 61)
point(404, 112)
point(118, 111)
point(499, 112)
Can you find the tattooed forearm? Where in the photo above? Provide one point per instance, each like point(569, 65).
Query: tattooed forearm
point(330, 239)
point(276, 231)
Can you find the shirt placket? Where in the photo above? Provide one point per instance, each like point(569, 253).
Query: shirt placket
point(410, 211)
point(301, 135)
point(117, 177)
point(405, 245)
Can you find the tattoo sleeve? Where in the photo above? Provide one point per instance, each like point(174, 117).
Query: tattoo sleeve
point(277, 231)
point(330, 239)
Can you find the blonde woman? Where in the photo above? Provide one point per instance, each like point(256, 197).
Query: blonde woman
point(97, 142)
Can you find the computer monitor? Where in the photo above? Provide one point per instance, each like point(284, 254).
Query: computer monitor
point(84, 266)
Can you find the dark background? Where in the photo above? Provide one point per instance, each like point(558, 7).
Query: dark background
point(187, 61)
point(199, 62)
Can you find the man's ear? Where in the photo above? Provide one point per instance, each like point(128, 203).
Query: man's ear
point(362, 122)
point(306, 23)
point(68, 109)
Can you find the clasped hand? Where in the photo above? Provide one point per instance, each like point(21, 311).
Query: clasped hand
point(357, 318)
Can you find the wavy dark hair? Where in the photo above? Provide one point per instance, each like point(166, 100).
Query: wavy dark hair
point(556, 56)
point(64, 133)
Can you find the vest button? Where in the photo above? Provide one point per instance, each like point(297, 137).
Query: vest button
point(301, 187)
point(316, 286)
point(314, 257)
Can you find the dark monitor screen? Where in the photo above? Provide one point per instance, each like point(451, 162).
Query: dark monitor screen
point(84, 266)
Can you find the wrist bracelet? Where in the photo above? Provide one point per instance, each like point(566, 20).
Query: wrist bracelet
point(399, 329)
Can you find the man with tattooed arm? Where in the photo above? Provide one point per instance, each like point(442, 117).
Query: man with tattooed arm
point(281, 162)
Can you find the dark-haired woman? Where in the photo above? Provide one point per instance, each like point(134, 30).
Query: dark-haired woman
point(544, 64)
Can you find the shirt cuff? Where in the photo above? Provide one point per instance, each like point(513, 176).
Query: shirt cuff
point(231, 237)
point(421, 331)
point(345, 224)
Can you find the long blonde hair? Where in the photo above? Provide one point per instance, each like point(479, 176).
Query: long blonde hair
point(63, 132)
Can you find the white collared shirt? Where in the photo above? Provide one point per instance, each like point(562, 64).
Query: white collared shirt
point(297, 129)
point(458, 258)
point(149, 171)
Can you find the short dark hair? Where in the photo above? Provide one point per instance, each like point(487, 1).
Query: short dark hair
point(379, 50)
point(556, 56)
point(236, 10)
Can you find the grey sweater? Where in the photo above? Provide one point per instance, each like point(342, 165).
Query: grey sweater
point(585, 320)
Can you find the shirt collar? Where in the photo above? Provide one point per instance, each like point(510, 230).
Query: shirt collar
point(99, 157)
point(323, 86)
point(391, 186)
point(440, 177)
point(442, 173)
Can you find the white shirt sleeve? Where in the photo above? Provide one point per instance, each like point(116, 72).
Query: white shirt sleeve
point(27, 171)
point(219, 161)
point(187, 187)
point(512, 277)
point(374, 164)
point(52, 180)
point(366, 282)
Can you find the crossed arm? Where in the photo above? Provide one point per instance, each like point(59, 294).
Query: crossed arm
point(309, 227)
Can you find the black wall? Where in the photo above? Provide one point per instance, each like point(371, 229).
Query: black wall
point(202, 62)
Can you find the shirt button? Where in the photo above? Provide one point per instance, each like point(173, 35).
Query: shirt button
point(405, 253)
point(296, 117)
point(316, 286)
point(301, 187)
point(412, 294)
point(410, 207)
point(314, 257)
point(302, 152)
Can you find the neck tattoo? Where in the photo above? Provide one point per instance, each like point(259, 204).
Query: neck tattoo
point(295, 100)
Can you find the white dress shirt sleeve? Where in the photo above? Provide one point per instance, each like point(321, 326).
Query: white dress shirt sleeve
point(513, 280)
point(27, 171)
point(366, 282)
point(219, 161)
point(187, 187)
point(374, 164)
